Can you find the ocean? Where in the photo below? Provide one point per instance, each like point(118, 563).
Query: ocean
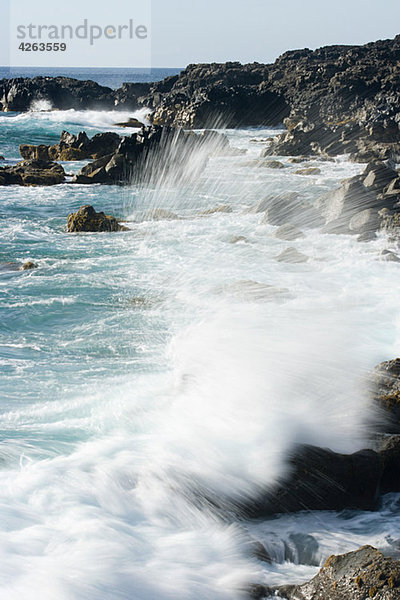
point(112, 78)
point(144, 372)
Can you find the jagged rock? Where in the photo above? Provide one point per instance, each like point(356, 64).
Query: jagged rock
point(390, 223)
point(291, 255)
point(359, 575)
point(29, 152)
point(128, 96)
point(379, 175)
point(87, 219)
point(288, 232)
point(154, 154)
point(393, 188)
point(32, 172)
point(73, 147)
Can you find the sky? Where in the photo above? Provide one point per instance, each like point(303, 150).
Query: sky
point(191, 31)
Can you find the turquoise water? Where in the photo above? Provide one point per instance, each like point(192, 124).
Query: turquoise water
point(143, 371)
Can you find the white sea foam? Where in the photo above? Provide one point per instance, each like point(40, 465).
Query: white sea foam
point(104, 120)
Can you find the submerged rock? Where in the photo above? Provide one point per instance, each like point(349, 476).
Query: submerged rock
point(156, 214)
point(238, 238)
point(308, 171)
point(28, 266)
point(359, 575)
point(87, 219)
point(291, 255)
point(253, 291)
point(223, 208)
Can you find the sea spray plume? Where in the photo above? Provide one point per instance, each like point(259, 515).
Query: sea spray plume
point(173, 156)
point(251, 384)
point(152, 156)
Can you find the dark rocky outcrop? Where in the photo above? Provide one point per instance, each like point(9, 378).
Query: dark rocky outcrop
point(87, 219)
point(73, 147)
point(32, 172)
point(359, 575)
point(20, 94)
point(336, 99)
point(333, 100)
point(321, 479)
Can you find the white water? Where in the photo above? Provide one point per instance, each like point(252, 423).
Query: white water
point(109, 478)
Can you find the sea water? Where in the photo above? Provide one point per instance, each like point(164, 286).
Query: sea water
point(151, 380)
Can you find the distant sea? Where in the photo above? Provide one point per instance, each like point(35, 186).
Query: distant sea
point(112, 78)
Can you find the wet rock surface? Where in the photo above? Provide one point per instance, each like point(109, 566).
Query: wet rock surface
point(73, 147)
point(32, 172)
point(359, 575)
point(321, 479)
point(86, 219)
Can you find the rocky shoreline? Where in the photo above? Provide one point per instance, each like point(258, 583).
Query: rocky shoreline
point(333, 101)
